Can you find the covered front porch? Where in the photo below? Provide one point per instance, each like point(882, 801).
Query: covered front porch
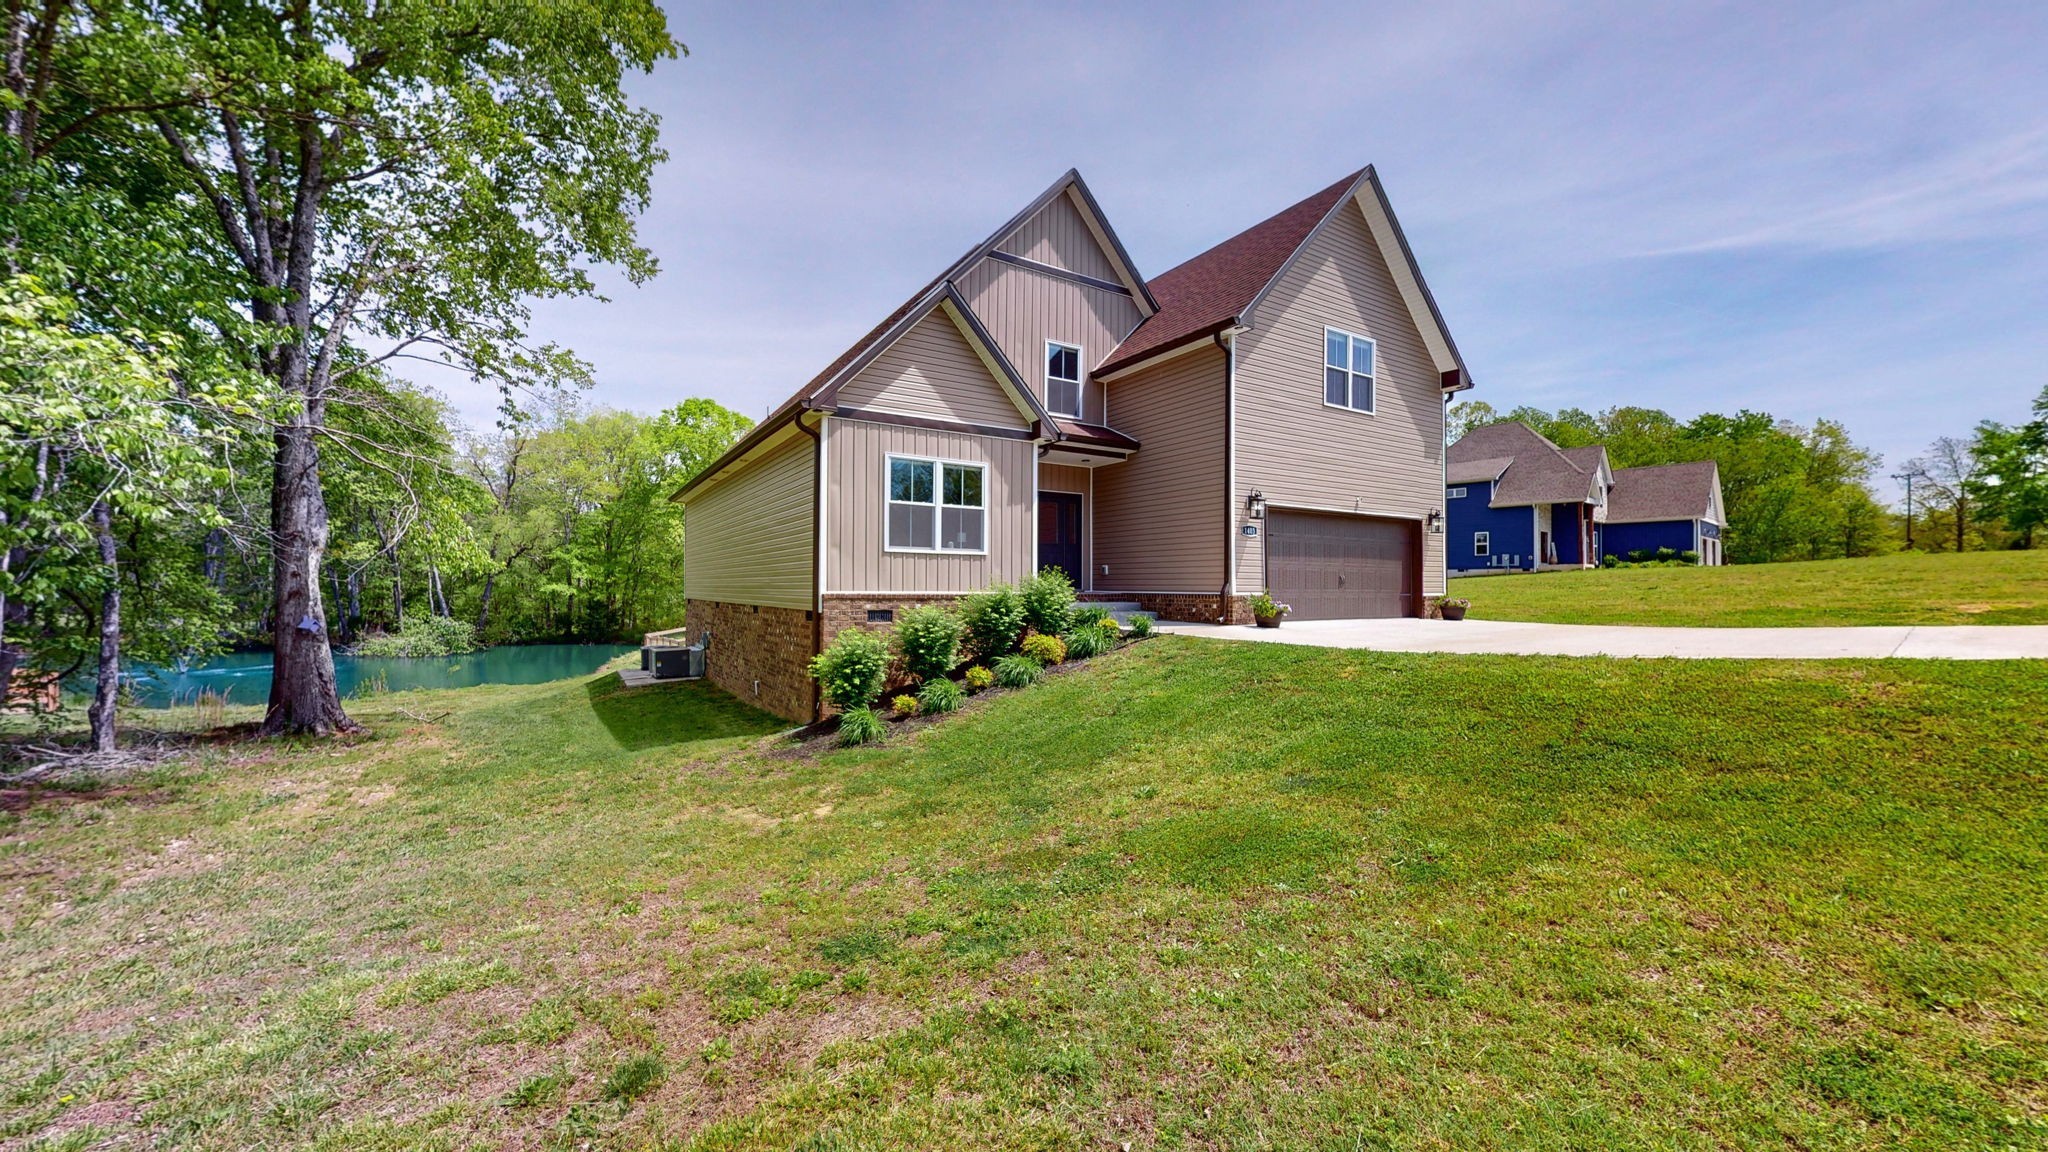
point(1066, 496)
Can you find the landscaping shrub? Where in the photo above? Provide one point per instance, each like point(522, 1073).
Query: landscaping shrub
point(1609, 561)
point(994, 620)
point(928, 639)
point(1667, 553)
point(850, 671)
point(1047, 650)
point(904, 706)
point(859, 726)
point(1017, 671)
point(1048, 600)
point(1140, 626)
point(1689, 557)
point(940, 695)
point(1089, 616)
point(979, 679)
point(423, 636)
point(1094, 640)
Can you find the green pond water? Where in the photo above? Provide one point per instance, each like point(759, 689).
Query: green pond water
point(244, 677)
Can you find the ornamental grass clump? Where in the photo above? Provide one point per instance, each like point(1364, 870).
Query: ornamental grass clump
point(1090, 641)
point(859, 726)
point(850, 671)
point(993, 619)
point(1017, 671)
point(1048, 600)
point(1089, 616)
point(928, 639)
point(1140, 626)
point(941, 695)
point(1047, 650)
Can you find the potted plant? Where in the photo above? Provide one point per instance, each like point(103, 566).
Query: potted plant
point(1451, 607)
point(1266, 611)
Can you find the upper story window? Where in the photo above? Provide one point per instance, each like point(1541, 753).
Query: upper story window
point(1062, 378)
point(1347, 370)
point(936, 506)
point(1456, 494)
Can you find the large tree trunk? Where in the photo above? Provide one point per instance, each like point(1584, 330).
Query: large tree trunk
point(483, 614)
point(303, 697)
point(107, 686)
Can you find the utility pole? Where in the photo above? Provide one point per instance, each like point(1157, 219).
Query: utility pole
point(1907, 479)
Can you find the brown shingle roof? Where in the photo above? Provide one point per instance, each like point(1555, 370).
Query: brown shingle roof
point(1485, 470)
point(1101, 434)
point(1542, 473)
point(1200, 296)
point(1663, 492)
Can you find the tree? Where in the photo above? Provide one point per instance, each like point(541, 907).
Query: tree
point(2012, 472)
point(1949, 477)
point(407, 176)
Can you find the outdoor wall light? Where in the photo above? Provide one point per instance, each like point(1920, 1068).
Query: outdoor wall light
point(1436, 521)
point(1257, 504)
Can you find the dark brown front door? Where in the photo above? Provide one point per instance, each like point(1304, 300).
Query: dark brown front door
point(1059, 533)
point(1329, 567)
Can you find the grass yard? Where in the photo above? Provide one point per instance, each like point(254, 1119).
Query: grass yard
point(1199, 895)
point(1908, 588)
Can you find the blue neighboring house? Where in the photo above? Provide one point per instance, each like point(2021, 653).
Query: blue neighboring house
point(1515, 501)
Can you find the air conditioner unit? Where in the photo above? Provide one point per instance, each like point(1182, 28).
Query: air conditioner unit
point(677, 663)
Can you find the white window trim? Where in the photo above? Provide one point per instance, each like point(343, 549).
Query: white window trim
point(938, 504)
point(1482, 543)
point(1455, 494)
point(1323, 378)
point(1080, 378)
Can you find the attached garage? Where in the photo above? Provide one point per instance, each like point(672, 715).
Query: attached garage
point(1334, 567)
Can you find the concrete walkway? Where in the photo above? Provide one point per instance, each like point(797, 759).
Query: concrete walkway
point(1964, 642)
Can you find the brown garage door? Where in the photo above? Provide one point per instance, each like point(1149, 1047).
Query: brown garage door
point(1342, 567)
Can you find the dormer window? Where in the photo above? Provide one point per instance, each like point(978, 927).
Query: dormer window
point(1062, 378)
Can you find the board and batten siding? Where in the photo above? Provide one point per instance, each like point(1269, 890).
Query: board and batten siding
point(749, 539)
point(1300, 452)
point(933, 372)
point(1058, 235)
point(857, 509)
point(1160, 519)
point(1023, 309)
point(1066, 478)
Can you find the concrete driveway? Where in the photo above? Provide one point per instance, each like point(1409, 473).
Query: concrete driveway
point(1991, 642)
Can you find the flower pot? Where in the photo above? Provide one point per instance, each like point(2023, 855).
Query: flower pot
point(1266, 621)
point(1453, 611)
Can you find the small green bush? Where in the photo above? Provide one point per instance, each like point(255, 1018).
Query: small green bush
point(1667, 553)
point(1017, 671)
point(904, 706)
point(1140, 626)
point(859, 726)
point(941, 695)
point(1266, 608)
point(1085, 643)
point(1047, 650)
point(1048, 600)
point(994, 620)
point(928, 639)
point(1609, 561)
point(1089, 616)
point(423, 636)
point(1689, 557)
point(850, 671)
point(980, 679)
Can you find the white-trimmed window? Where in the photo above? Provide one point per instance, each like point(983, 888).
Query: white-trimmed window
point(1481, 542)
point(937, 505)
point(1456, 494)
point(1347, 370)
point(1062, 378)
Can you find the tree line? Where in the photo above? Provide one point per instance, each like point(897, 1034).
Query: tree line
point(224, 226)
point(1987, 491)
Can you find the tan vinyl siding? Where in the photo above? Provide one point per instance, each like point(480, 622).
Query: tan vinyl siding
point(1298, 451)
point(1065, 478)
point(749, 539)
point(1058, 236)
point(933, 372)
point(1023, 309)
point(1159, 516)
point(856, 463)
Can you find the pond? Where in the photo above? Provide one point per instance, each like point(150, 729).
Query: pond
point(244, 677)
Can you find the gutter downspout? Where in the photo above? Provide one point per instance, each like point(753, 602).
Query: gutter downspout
point(1227, 341)
point(817, 436)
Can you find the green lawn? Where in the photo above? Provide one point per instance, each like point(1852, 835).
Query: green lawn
point(1909, 588)
point(1200, 895)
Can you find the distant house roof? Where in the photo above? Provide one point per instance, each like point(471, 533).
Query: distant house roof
point(1666, 492)
point(1537, 471)
point(1222, 287)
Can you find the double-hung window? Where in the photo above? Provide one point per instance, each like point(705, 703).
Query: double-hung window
point(1482, 543)
point(1062, 379)
point(1347, 370)
point(936, 506)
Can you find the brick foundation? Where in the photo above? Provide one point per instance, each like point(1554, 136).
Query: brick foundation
point(759, 654)
point(1185, 607)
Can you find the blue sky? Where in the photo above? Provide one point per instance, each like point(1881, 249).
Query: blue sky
point(1812, 209)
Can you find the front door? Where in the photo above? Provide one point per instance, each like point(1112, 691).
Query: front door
point(1059, 533)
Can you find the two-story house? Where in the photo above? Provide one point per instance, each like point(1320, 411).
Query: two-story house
point(1267, 415)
